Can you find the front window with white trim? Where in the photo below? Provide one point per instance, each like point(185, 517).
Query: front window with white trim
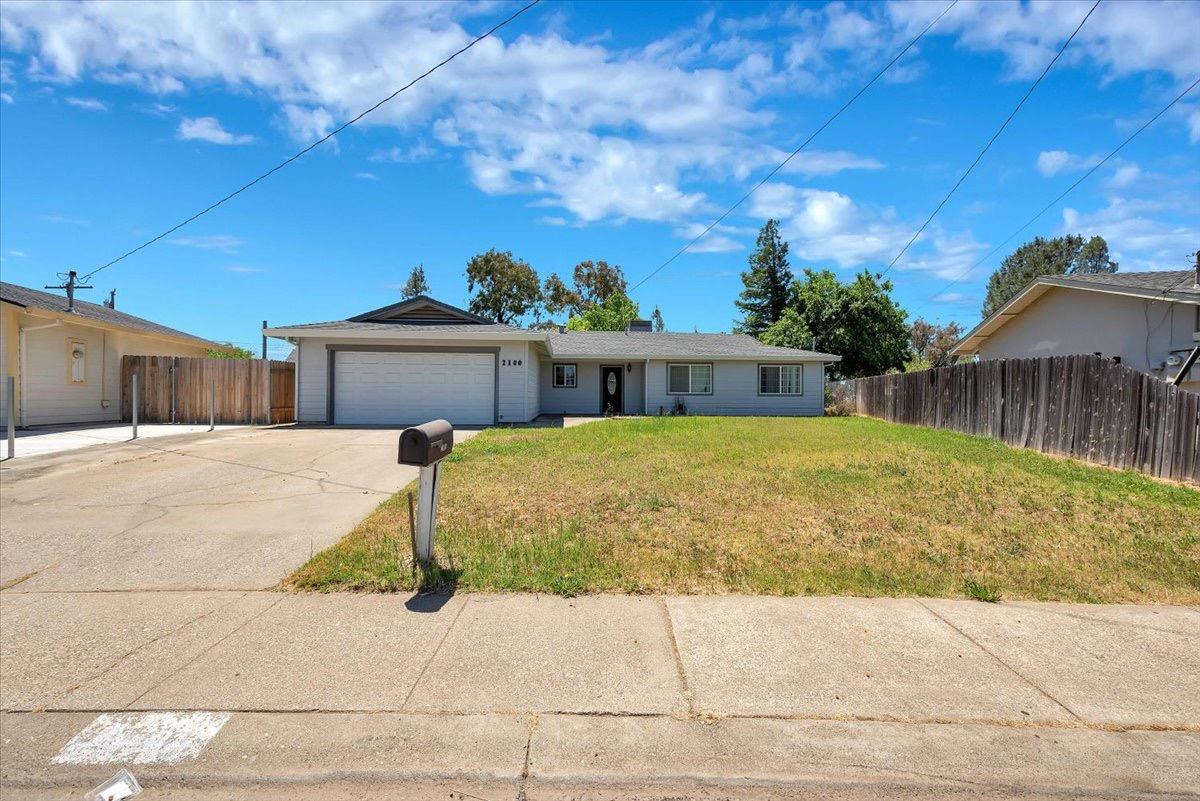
point(781, 379)
point(689, 379)
point(564, 376)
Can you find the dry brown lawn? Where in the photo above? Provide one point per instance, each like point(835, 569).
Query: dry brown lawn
point(847, 506)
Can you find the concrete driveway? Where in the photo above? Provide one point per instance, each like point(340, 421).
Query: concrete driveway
point(230, 510)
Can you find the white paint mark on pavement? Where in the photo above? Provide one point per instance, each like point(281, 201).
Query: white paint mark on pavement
point(142, 738)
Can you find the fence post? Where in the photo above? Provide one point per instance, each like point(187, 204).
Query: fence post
point(212, 402)
point(135, 404)
point(12, 413)
point(174, 370)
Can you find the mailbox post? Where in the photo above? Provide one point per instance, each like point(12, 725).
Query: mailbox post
point(425, 446)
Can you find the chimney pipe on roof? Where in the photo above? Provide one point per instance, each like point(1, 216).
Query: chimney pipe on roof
point(1196, 277)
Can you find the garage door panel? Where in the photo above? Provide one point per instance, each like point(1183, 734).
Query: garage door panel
point(394, 388)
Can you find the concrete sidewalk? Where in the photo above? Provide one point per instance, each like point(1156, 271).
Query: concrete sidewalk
point(521, 696)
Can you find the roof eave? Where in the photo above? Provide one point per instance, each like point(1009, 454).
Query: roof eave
point(89, 322)
point(285, 332)
point(975, 338)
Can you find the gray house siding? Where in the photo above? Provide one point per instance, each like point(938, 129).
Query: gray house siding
point(584, 397)
point(735, 391)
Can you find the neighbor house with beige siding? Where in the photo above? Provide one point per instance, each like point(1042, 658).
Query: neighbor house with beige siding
point(65, 358)
point(1147, 320)
point(422, 359)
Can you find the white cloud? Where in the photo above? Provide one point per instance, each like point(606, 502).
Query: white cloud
point(6, 97)
point(555, 221)
point(1141, 234)
point(17, 253)
point(598, 132)
point(1124, 176)
point(955, 298)
point(1193, 123)
point(1119, 38)
point(240, 268)
point(87, 103)
point(366, 176)
point(225, 242)
point(1053, 162)
point(59, 219)
point(405, 155)
point(208, 129)
point(826, 226)
point(718, 240)
point(307, 125)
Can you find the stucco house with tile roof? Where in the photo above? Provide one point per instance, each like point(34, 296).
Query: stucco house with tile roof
point(1147, 320)
point(421, 359)
point(65, 357)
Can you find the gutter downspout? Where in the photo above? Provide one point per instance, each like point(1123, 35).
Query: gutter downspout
point(23, 358)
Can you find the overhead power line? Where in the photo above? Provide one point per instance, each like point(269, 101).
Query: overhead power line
point(1070, 188)
point(320, 141)
point(991, 141)
point(796, 152)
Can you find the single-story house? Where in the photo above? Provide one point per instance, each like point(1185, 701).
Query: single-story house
point(1147, 320)
point(421, 359)
point(66, 358)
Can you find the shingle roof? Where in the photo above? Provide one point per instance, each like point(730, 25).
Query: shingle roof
point(402, 327)
point(663, 345)
point(1168, 281)
point(37, 299)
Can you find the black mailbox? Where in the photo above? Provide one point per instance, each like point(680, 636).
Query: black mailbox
point(427, 443)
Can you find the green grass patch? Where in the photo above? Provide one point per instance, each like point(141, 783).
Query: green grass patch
point(828, 506)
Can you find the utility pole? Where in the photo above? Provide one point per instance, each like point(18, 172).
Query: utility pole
point(71, 284)
point(264, 342)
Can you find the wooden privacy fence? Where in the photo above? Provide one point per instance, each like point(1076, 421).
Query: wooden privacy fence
point(1083, 406)
point(177, 389)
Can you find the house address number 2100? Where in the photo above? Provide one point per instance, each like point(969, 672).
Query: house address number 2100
point(511, 362)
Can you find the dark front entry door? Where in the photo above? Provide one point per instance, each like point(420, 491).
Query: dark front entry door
point(610, 391)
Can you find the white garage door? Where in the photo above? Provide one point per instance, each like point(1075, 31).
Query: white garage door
point(388, 388)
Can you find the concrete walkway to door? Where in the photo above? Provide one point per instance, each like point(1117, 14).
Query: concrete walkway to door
point(237, 509)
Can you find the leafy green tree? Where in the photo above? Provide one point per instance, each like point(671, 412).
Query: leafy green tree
point(596, 281)
point(504, 289)
point(767, 282)
point(789, 331)
point(1063, 255)
point(656, 319)
point(593, 282)
point(931, 344)
point(225, 350)
point(416, 283)
point(614, 314)
point(858, 321)
point(560, 298)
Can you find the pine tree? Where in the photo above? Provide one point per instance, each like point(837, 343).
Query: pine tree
point(416, 283)
point(767, 282)
point(657, 319)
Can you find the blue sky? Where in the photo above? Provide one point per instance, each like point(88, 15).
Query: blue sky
point(583, 131)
